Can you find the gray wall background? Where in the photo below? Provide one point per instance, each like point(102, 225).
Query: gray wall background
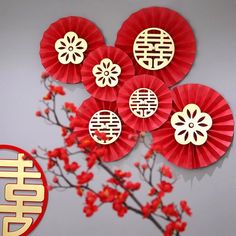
point(211, 191)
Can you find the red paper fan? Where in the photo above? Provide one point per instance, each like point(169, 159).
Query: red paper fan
point(144, 103)
point(102, 116)
point(219, 133)
point(160, 42)
point(64, 46)
point(105, 70)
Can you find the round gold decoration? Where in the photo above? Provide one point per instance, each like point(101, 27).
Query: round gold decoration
point(106, 73)
point(71, 48)
point(25, 195)
point(105, 121)
point(143, 102)
point(153, 49)
point(191, 125)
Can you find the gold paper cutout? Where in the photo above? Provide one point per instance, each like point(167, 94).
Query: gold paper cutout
point(153, 49)
point(105, 121)
point(20, 208)
point(191, 125)
point(106, 73)
point(71, 48)
point(143, 103)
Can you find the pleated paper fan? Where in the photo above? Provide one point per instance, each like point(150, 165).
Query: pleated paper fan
point(105, 70)
point(103, 116)
point(64, 46)
point(200, 129)
point(160, 42)
point(144, 103)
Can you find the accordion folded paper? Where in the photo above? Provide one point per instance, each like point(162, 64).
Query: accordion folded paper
point(65, 45)
point(160, 42)
point(200, 129)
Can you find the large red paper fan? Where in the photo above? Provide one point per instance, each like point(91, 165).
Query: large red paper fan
point(146, 86)
point(116, 58)
point(85, 29)
point(179, 30)
point(116, 150)
point(219, 137)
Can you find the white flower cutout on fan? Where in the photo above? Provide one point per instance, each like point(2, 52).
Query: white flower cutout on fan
point(71, 48)
point(191, 125)
point(106, 73)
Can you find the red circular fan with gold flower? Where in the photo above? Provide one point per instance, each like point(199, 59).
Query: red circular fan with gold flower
point(160, 42)
point(99, 116)
point(200, 129)
point(65, 45)
point(144, 103)
point(105, 70)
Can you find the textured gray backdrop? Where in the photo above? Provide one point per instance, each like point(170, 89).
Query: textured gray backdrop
point(211, 191)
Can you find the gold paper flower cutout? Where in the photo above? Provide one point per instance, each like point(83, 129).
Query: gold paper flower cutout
point(106, 73)
point(191, 125)
point(71, 48)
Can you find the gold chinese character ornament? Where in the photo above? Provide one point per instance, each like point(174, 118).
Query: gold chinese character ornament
point(107, 122)
point(153, 49)
point(143, 102)
point(25, 192)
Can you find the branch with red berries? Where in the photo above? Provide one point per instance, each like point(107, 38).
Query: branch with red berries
point(73, 166)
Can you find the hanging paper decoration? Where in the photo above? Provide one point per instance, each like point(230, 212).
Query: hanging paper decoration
point(200, 129)
point(144, 103)
point(98, 116)
point(65, 45)
point(160, 42)
point(105, 70)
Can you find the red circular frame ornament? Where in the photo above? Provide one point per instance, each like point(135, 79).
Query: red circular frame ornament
point(161, 113)
point(219, 136)
point(123, 144)
point(44, 181)
point(103, 59)
point(167, 27)
point(88, 34)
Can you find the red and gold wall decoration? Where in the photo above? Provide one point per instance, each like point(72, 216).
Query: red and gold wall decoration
point(130, 84)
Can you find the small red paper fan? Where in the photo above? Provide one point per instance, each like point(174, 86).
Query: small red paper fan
point(95, 59)
point(85, 29)
point(116, 150)
point(172, 23)
point(157, 117)
point(219, 137)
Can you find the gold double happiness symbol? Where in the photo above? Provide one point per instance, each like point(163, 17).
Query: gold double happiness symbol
point(143, 103)
point(153, 49)
point(23, 203)
point(107, 122)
